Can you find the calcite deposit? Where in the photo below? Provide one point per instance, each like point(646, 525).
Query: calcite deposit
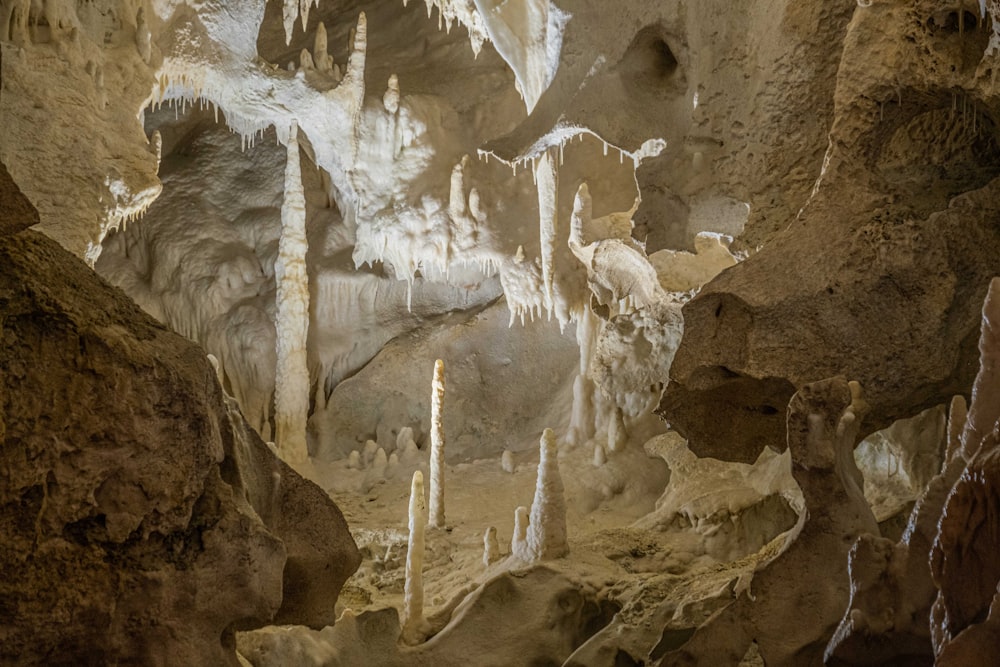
point(673, 306)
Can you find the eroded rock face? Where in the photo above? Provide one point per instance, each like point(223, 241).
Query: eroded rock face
point(140, 521)
point(881, 276)
point(797, 598)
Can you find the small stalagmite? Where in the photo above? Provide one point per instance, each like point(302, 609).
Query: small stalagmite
point(413, 589)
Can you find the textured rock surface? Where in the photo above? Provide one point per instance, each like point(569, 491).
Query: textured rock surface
point(123, 540)
point(938, 583)
point(530, 617)
point(680, 72)
point(16, 212)
point(881, 275)
point(799, 596)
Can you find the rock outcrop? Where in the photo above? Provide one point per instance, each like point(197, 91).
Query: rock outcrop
point(881, 275)
point(799, 595)
point(142, 520)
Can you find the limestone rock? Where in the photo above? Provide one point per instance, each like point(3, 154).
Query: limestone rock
point(798, 596)
point(138, 522)
point(889, 299)
point(964, 560)
point(881, 274)
point(16, 212)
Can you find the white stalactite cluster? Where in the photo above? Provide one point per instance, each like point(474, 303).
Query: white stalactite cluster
point(291, 387)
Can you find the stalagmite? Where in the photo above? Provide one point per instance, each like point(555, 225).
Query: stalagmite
point(519, 540)
point(542, 535)
point(456, 193)
point(291, 390)
point(507, 461)
point(406, 446)
point(616, 430)
point(368, 453)
point(390, 100)
point(436, 514)
point(583, 416)
point(600, 456)
point(413, 589)
point(491, 547)
point(321, 56)
point(380, 462)
point(306, 60)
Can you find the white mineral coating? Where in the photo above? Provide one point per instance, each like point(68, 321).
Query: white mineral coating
point(436, 514)
point(291, 390)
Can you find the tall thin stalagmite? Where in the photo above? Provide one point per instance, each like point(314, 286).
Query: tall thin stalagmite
point(291, 387)
point(413, 588)
point(436, 514)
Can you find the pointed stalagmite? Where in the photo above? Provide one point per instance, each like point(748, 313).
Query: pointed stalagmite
point(390, 100)
point(436, 517)
point(519, 540)
point(547, 522)
point(413, 588)
point(491, 547)
point(321, 55)
point(291, 390)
